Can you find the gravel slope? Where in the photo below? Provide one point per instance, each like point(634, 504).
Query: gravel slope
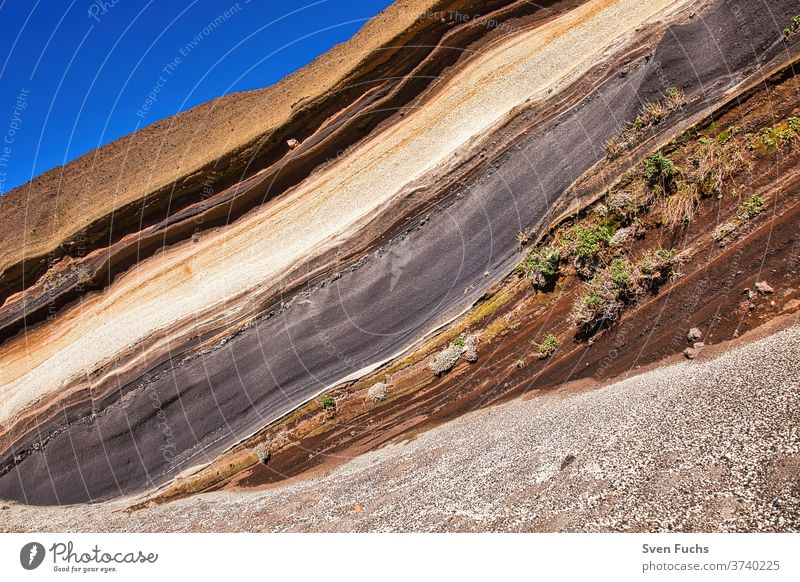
point(696, 446)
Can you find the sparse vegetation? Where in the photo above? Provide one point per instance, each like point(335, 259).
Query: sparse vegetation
point(520, 364)
point(621, 203)
point(619, 271)
point(753, 206)
point(598, 305)
point(715, 161)
point(773, 137)
point(659, 171)
point(540, 266)
point(723, 230)
point(588, 241)
point(614, 146)
point(675, 98)
point(449, 356)
point(652, 113)
point(524, 237)
point(328, 403)
point(614, 281)
point(794, 26)
point(548, 346)
point(679, 207)
point(726, 135)
point(606, 295)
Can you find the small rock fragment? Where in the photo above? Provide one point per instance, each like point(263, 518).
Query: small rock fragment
point(293, 143)
point(764, 288)
point(694, 335)
point(694, 351)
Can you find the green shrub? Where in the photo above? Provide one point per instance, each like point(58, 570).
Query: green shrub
point(459, 341)
point(599, 304)
point(725, 136)
point(540, 265)
point(588, 241)
point(773, 137)
point(793, 27)
point(619, 272)
point(328, 403)
point(548, 346)
point(753, 206)
point(605, 296)
point(659, 170)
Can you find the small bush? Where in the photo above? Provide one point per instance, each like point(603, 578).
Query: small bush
point(794, 26)
point(622, 236)
point(622, 204)
point(715, 163)
point(659, 170)
point(328, 403)
point(470, 349)
point(540, 266)
point(619, 272)
point(654, 268)
point(723, 230)
point(605, 296)
point(653, 113)
point(675, 98)
point(263, 452)
point(753, 206)
point(548, 346)
point(588, 241)
point(449, 356)
point(599, 305)
point(444, 360)
point(378, 392)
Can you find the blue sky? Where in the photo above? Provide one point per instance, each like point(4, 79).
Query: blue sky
point(76, 74)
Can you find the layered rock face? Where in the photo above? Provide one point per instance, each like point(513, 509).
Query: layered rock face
point(325, 225)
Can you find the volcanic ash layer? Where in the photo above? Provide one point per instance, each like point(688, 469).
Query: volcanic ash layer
point(151, 344)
